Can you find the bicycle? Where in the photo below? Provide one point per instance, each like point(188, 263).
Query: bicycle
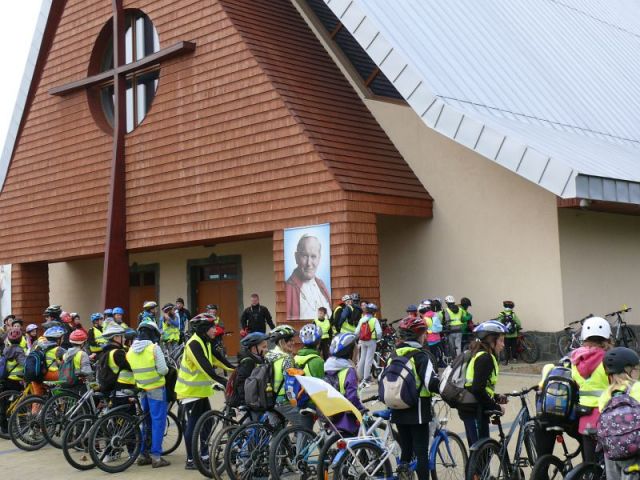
point(24, 423)
point(527, 348)
point(570, 339)
point(550, 467)
point(490, 459)
point(385, 349)
point(623, 335)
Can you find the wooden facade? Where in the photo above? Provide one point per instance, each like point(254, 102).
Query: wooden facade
point(256, 131)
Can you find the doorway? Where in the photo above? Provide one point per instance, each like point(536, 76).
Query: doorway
point(217, 280)
point(143, 286)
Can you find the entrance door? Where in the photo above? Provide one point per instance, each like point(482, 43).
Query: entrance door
point(224, 294)
point(142, 287)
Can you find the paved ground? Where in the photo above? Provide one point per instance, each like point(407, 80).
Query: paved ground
point(49, 463)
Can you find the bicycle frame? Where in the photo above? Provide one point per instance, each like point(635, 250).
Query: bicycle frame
point(439, 436)
point(522, 418)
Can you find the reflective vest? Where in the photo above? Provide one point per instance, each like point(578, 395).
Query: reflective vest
point(51, 359)
point(125, 376)
point(455, 319)
point(143, 366)
point(591, 388)
point(347, 327)
point(634, 392)
point(170, 333)
point(123, 325)
point(23, 343)
point(278, 375)
point(325, 326)
point(99, 340)
point(424, 390)
point(342, 377)
point(493, 379)
point(77, 360)
point(303, 361)
point(372, 327)
point(192, 381)
point(15, 370)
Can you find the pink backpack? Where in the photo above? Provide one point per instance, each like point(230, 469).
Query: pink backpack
point(619, 427)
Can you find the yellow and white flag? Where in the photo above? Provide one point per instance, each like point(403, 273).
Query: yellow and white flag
point(326, 398)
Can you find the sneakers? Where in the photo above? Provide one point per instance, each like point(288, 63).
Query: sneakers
point(189, 465)
point(144, 460)
point(159, 463)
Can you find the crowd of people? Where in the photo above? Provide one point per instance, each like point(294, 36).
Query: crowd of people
point(337, 347)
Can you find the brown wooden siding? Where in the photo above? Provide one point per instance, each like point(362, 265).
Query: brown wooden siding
point(239, 141)
point(30, 290)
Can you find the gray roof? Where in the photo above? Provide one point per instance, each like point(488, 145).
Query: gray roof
point(546, 88)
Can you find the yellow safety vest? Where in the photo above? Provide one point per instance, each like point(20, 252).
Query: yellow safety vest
point(192, 381)
point(342, 377)
point(493, 379)
point(278, 375)
point(125, 377)
point(325, 326)
point(143, 366)
point(303, 360)
point(51, 359)
point(590, 389)
point(634, 392)
point(347, 327)
point(15, 370)
point(23, 343)
point(372, 327)
point(99, 339)
point(424, 390)
point(170, 333)
point(77, 360)
point(455, 319)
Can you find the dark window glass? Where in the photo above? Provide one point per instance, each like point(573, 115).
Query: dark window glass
point(149, 278)
point(134, 279)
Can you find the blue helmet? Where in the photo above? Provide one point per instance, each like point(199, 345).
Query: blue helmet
point(490, 327)
point(341, 343)
point(310, 334)
point(108, 312)
point(118, 311)
point(54, 332)
point(253, 339)
point(96, 316)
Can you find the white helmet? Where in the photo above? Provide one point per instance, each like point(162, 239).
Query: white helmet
point(449, 299)
point(595, 327)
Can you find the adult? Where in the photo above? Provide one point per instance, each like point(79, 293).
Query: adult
point(305, 292)
point(77, 323)
point(342, 312)
point(212, 309)
point(368, 331)
point(118, 316)
point(96, 340)
point(117, 360)
point(170, 324)
point(183, 313)
point(67, 324)
point(256, 317)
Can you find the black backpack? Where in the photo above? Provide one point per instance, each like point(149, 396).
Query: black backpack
point(259, 391)
point(107, 378)
point(35, 366)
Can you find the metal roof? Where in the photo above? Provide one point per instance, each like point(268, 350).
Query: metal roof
point(546, 88)
point(21, 99)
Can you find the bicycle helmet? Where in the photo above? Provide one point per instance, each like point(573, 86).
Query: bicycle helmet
point(149, 305)
point(53, 311)
point(372, 307)
point(342, 345)
point(411, 327)
point(65, 317)
point(108, 312)
point(346, 297)
point(202, 319)
point(465, 303)
point(253, 339)
point(14, 335)
point(10, 316)
point(618, 359)
point(96, 316)
point(355, 297)
point(508, 304)
point(168, 307)
point(54, 333)
point(74, 315)
point(490, 327)
point(51, 324)
point(31, 327)
point(211, 306)
point(118, 311)
point(17, 321)
point(412, 309)
point(595, 327)
point(449, 299)
point(310, 334)
point(282, 332)
point(78, 337)
point(112, 330)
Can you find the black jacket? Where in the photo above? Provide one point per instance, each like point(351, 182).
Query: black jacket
point(255, 318)
point(247, 361)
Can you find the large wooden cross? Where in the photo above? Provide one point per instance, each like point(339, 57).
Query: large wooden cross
point(115, 279)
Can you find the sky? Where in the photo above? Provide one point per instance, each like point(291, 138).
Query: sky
point(17, 24)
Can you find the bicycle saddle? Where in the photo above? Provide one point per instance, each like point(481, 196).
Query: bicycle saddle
point(307, 411)
point(384, 414)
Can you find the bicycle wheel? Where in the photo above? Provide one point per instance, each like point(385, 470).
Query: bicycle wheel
point(529, 351)
point(172, 434)
point(629, 338)
point(6, 399)
point(586, 471)
point(564, 344)
point(529, 440)
point(485, 462)
point(246, 456)
point(362, 461)
point(203, 433)
point(548, 467)
point(54, 417)
point(294, 453)
point(115, 441)
point(450, 458)
point(216, 453)
point(75, 442)
point(326, 456)
point(24, 424)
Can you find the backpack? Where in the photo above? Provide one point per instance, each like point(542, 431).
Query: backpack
point(619, 427)
point(259, 391)
point(452, 382)
point(397, 385)
point(4, 371)
point(294, 392)
point(231, 391)
point(35, 366)
point(67, 372)
point(558, 397)
point(365, 331)
point(107, 378)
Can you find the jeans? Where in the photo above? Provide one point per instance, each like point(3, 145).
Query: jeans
point(455, 342)
point(367, 349)
point(155, 402)
point(414, 440)
point(510, 346)
point(193, 411)
point(615, 469)
point(476, 427)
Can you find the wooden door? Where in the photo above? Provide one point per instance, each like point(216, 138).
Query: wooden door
point(137, 296)
point(224, 294)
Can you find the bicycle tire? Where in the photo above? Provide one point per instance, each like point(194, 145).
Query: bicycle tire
point(482, 464)
point(629, 338)
point(586, 471)
point(75, 442)
point(110, 436)
point(53, 419)
point(454, 468)
point(548, 467)
point(326, 456)
point(216, 453)
point(529, 440)
point(210, 420)
point(6, 399)
point(24, 425)
point(367, 456)
point(172, 439)
point(530, 350)
point(282, 448)
point(250, 454)
point(564, 344)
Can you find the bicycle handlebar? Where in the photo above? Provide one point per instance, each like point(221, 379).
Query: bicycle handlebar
point(370, 399)
point(581, 321)
point(522, 393)
point(613, 314)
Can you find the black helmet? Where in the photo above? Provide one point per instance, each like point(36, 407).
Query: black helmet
point(253, 339)
point(168, 307)
point(211, 306)
point(53, 311)
point(618, 359)
point(465, 302)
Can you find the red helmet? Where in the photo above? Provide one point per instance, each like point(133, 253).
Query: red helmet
point(413, 325)
point(78, 336)
point(65, 317)
point(14, 334)
point(219, 331)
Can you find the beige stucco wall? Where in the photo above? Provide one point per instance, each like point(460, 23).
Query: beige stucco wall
point(493, 234)
point(600, 263)
point(76, 285)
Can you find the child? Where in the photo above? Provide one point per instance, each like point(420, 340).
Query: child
point(434, 327)
point(81, 362)
point(325, 327)
point(511, 321)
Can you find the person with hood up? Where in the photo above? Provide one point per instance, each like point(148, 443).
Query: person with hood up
point(340, 373)
point(149, 369)
point(588, 372)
